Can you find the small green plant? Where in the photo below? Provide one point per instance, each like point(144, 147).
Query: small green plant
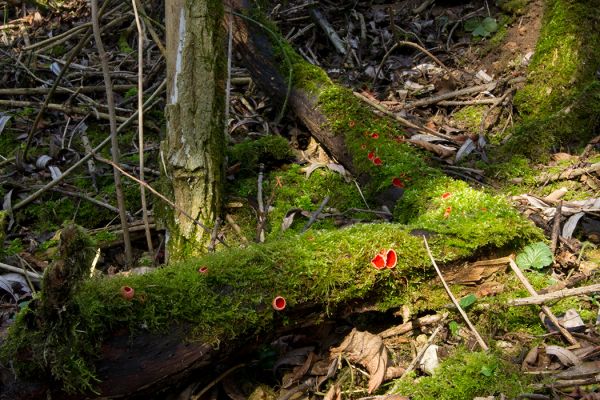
point(481, 27)
point(535, 256)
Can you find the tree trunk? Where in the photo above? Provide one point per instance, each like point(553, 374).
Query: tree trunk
point(194, 149)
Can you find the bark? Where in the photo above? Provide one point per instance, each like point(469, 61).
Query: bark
point(194, 149)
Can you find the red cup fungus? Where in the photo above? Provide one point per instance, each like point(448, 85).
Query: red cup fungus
point(127, 292)
point(391, 258)
point(446, 195)
point(378, 261)
point(377, 161)
point(447, 212)
point(397, 182)
point(278, 303)
point(375, 135)
point(371, 155)
point(203, 269)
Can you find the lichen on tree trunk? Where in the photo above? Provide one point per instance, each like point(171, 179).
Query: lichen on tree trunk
point(194, 149)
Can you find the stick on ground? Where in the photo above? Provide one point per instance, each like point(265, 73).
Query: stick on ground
point(482, 344)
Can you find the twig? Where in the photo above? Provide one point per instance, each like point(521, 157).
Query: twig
point(82, 42)
point(569, 173)
point(140, 98)
point(411, 325)
point(556, 228)
point(213, 235)
point(163, 198)
point(42, 90)
point(84, 197)
point(60, 107)
point(421, 352)
point(90, 164)
point(113, 130)
point(466, 102)
point(334, 38)
point(21, 271)
point(27, 278)
point(460, 310)
point(215, 381)
point(450, 95)
point(398, 118)
point(315, 215)
point(236, 227)
point(559, 294)
point(153, 34)
point(545, 309)
point(410, 44)
point(85, 158)
point(260, 232)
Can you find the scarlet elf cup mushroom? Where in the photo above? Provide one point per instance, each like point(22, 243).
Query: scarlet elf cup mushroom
point(127, 292)
point(278, 303)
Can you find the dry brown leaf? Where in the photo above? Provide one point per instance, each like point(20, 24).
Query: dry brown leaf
point(299, 371)
point(367, 350)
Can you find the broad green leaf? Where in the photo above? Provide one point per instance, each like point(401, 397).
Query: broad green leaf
point(535, 256)
point(467, 301)
point(489, 24)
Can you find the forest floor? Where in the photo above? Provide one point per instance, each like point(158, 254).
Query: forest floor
point(449, 73)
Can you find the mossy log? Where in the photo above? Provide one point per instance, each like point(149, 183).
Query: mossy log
point(198, 313)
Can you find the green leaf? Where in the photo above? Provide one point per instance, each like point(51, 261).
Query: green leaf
point(454, 328)
point(471, 24)
point(487, 371)
point(535, 256)
point(467, 301)
point(489, 24)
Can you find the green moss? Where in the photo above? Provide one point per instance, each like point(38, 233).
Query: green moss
point(466, 375)
point(516, 7)
point(560, 103)
point(268, 150)
point(469, 117)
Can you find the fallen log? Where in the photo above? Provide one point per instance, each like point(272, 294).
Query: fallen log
point(192, 315)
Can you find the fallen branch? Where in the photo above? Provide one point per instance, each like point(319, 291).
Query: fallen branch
point(21, 271)
point(450, 95)
point(559, 294)
point(568, 174)
point(61, 107)
point(21, 91)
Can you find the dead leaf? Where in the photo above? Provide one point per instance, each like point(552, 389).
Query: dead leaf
point(565, 356)
point(299, 371)
point(367, 350)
